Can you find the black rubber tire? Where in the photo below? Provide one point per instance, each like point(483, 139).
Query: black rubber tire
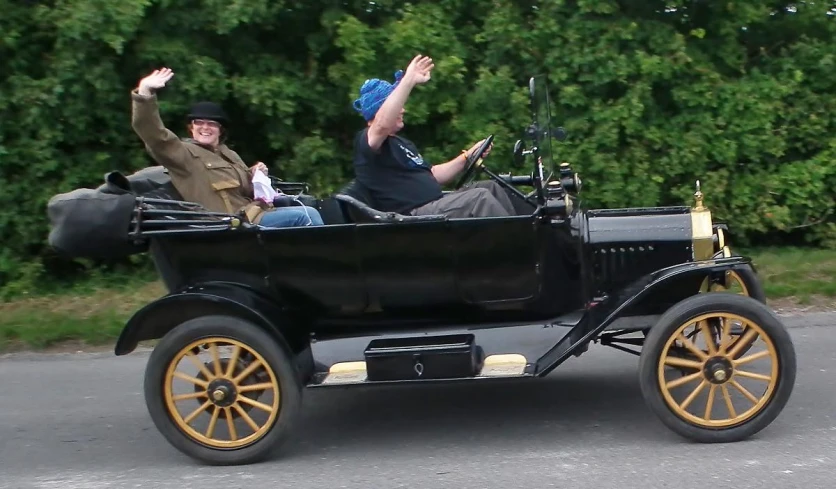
point(690, 308)
point(254, 337)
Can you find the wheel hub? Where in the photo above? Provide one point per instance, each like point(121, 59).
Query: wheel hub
point(222, 392)
point(718, 370)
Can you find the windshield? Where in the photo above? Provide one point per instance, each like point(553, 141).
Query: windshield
point(541, 111)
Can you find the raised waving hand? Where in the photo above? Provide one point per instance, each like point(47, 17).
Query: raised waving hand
point(420, 69)
point(153, 82)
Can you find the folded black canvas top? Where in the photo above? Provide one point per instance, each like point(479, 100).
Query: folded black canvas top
point(94, 223)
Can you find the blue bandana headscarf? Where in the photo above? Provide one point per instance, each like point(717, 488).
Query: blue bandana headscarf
point(373, 93)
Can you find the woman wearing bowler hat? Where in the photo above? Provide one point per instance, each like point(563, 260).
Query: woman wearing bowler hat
point(202, 168)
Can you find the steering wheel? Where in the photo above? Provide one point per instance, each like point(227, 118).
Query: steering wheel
point(474, 162)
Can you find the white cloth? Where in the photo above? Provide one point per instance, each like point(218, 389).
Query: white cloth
point(262, 189)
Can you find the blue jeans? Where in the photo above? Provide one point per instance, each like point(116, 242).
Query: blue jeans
point(292, 216)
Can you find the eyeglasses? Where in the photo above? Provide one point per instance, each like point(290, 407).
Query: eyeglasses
point(204, 122)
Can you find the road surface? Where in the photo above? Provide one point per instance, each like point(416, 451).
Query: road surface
point(79, 421)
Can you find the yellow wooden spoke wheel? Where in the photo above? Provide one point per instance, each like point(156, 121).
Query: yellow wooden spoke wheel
point(711, 363)
point(223, 386)
point(707, 382)
point(222, 390)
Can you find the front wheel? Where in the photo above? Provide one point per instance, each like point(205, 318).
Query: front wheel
point(221, 390)
point(706, 383)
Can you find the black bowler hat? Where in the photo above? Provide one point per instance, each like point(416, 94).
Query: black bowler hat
point(208, 110)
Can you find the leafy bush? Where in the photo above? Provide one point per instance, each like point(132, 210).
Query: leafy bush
point(655, 95)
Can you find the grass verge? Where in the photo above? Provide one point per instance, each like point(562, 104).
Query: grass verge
point(798, 274)
point(95, 315)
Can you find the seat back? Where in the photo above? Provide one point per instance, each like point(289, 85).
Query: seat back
point(356, 209)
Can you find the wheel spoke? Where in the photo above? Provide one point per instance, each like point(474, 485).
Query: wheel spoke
point(216, 361)
point(200, 366)
point(752, 375)
point(725, 336)
point(247, 371)
point(230, 423)
point(255, 387)
point(259, 405)
point(747, 339)
point(709, 338)
point(683, 380)
point(246, 417)
point(682, 362)
point(687, 402)
point(751, 358)
point(743, 391)
point(188, 419)
point(190, 395)
point(692, 348)
point(189, 378)
point(729, 404)
point(709, 404)
point(213, 422)
point(233, 360)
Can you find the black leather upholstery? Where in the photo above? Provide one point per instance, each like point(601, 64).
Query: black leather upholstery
point(358, 206)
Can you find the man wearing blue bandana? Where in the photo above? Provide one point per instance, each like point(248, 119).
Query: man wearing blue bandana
point(392, 169)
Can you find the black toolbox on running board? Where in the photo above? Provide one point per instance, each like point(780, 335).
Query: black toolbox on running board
point(423, 357)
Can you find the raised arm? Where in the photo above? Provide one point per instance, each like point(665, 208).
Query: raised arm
point(386, 120)
point(165, 147)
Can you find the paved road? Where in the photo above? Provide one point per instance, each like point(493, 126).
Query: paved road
point(79, 421)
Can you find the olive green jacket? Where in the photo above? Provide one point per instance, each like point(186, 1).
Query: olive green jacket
point(218, 180)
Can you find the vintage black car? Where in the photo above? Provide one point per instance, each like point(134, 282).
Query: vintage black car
point(408, 299)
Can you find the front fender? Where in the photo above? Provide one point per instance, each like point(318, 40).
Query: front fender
point(665, 282)
point(161, 316)
point(600, 315)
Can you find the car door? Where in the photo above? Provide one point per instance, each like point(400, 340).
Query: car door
point(407, 265)
point(496, 259)
point(318, 266)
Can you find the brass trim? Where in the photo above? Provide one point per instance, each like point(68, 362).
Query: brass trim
point(502, 365)
point(729, 349)
point(702, 232)
point(346, 373)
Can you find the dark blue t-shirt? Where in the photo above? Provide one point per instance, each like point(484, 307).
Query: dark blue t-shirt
point(396, 176)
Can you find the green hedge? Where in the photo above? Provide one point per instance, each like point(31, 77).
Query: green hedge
point(738, 94)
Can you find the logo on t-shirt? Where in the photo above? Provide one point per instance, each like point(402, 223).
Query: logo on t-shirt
point(416, 159)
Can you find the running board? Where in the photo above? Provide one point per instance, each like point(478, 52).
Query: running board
point(434, 356)
point(511, 365)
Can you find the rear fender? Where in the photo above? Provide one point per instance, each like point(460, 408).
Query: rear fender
point(161, 316)
point(601, 314)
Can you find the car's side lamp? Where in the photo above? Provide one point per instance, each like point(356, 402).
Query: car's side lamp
point(558, 202)
point(570, 180)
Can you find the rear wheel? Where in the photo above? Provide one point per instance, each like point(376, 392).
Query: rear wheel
point(222, 390)
point(707, 385)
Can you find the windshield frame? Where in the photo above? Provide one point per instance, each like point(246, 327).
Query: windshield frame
point(541, 123)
